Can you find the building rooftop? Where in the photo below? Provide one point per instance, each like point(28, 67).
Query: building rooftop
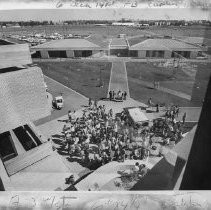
point(65, 44)
point(23, 97)
point(118, 42)
point(136, 39)
point(98, 39)
point(14, 55)
point(163, 44)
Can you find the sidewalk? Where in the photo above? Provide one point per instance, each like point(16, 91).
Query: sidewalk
point(118, 78)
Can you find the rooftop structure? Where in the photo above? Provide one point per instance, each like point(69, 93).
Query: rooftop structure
point(118, 42)
point(67, 48)
point(163, 44)
point(68, 44)
point(23, 97)
point(27, 160)
point(14, 55)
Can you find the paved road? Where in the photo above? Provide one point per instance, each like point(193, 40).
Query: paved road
point(118, 78)
point(72, 100)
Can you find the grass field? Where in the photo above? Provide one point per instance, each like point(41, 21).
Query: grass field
point(142, 93)
point(167, 77)
point(180, 81)
point(84, 77)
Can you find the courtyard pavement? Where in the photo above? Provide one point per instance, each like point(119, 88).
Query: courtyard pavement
point(72, 100)
point(52, 126)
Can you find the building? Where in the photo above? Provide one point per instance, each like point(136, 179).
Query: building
point(119, 47)
point(14, 55)
point(27, 159)
point(67, 48)
point(138, 46)
point(164, 48)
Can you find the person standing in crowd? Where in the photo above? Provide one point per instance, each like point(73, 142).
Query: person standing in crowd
point(177, 111)
point(110, 95)
point(150, 102)
point(73, 117)
point(154, 84)
point(183, 118)
point(69, 116)
point(125, 95)
point(157, 107)
point(90, 102)
point(95, 103)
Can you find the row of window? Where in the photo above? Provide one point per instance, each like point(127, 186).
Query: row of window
point(26, 137)
point(121, 53)
point(63, 54)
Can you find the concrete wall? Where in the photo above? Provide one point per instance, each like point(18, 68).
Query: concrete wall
point(44, 54)
point(167, 54)
point(70, 53)
point(142, 53)
point(5, 180)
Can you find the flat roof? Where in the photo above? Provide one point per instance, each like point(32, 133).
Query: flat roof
point(99, 40)
point(118, 42)
point(14, 55)
point(164, 44)
point(65, 44)
point(136, 39)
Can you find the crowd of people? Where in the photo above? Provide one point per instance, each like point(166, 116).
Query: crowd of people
point(170, 128)
point(120, 95)
point(99, 137)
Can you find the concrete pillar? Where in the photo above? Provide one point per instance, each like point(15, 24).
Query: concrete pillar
point(70, 53)
point(193, 54)
point(142, 54)
point(44, 54)
point(167, 54)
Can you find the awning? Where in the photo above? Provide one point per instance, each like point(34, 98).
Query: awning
point(137, 115)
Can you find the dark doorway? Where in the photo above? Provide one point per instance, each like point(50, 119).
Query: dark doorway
point(57, 54)
point(119, 52)
point(133, 53)
point(82, 53)
point(86, 53)
point(37, 54)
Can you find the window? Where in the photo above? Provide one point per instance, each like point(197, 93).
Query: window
point(7, 149)
point(57, 54)
point(24, 138)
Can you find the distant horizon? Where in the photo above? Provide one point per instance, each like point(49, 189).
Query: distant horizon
point(105, 14)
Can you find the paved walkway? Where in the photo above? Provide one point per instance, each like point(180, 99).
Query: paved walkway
point(72, 100)
point(118, 78)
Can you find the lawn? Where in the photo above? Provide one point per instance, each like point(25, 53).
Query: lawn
point(171, 78)
point(180, 81)
point(151, 72)
point(142, 93)
point(83, 77)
